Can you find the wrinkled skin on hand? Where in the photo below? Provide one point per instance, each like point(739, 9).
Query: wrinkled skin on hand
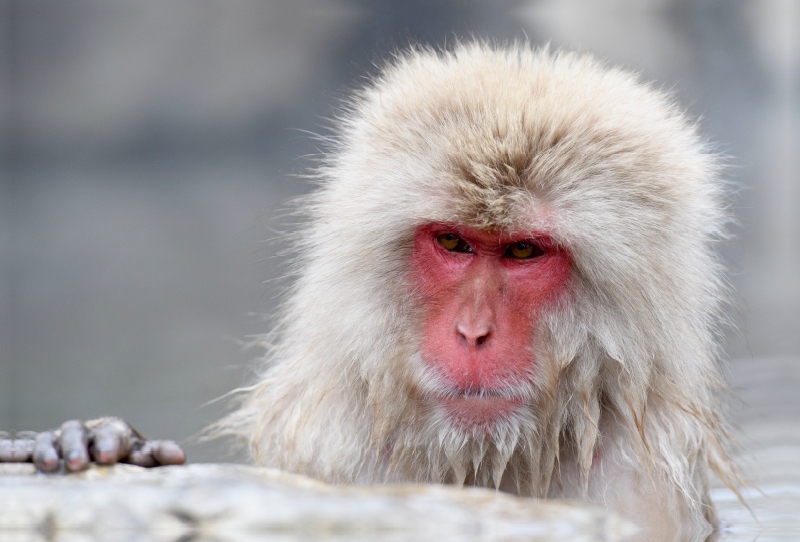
point(104, 441)
point(18, 449)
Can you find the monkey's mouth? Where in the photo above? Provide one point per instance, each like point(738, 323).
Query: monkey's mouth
point(482, 413)
point(474, 393)
point(508, 393)
point(479, 393)
point(480, 409)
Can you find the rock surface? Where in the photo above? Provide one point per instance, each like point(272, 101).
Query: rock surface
point(223, 502)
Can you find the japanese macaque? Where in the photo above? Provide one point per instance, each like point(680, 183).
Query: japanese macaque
point(507, 280)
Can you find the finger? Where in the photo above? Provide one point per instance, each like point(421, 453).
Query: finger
point(16, 450)
point(74, 444)
point(24, 449)
point(153, 453)
point(110, 441)
point(142, 455)
point(167, 452)
point(6, 450)
point(45, 454)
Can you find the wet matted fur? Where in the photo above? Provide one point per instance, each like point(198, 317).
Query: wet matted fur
point(505, 139)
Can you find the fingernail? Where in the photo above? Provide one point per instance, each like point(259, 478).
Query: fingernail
point(105, 454)
point(74, 458)
point(50, 462)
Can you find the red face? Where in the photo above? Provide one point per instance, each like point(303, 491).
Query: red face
point(482, 293)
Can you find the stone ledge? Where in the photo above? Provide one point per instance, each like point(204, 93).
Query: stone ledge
point(225, 502)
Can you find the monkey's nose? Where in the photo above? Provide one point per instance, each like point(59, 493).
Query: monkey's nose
point(474, 335)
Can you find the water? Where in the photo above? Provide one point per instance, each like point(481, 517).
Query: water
point(768, 412)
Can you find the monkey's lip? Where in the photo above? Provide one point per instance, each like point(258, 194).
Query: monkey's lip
point(479, 393)
point(482, 393)
point(471, 409)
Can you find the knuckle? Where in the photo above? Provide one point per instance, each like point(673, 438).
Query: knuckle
point(45, 437)
point(72, 425)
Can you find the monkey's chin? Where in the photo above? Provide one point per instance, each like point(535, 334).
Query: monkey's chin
point(480, 415)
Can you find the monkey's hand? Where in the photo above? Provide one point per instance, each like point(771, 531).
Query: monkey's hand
point(104, 441)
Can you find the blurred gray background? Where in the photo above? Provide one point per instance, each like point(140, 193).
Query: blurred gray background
point(147, 148)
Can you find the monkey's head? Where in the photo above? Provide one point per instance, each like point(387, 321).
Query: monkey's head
point(507, 248)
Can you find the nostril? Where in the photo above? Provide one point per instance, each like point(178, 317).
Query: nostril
point(473, 337)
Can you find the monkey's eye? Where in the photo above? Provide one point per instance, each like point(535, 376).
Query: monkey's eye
point(453, 243)
point(523, 251)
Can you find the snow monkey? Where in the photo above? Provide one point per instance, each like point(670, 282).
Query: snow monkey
point(507, 279)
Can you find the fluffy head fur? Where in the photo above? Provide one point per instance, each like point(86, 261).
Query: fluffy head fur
point(504, 139)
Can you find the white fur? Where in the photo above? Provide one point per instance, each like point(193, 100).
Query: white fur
point(626, 363)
